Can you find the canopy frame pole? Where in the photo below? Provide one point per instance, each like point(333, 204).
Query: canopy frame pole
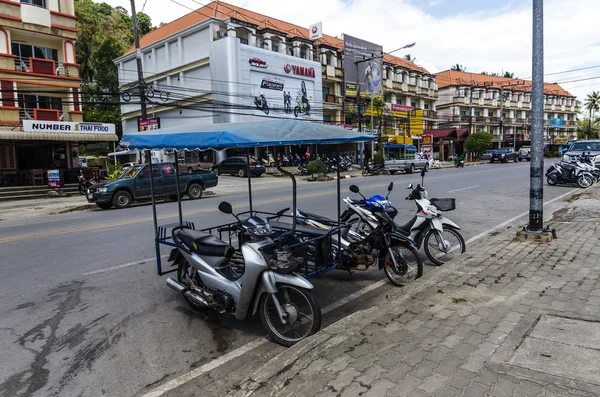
point(278, 166)
point(339, 207)
point(249, 176)
point(178, 187)
point(156, 244)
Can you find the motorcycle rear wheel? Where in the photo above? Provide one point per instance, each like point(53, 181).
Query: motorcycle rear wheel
point(410, 266)
point(551, 181)
point(365, 172)
point(82, 189)
point(302, 309)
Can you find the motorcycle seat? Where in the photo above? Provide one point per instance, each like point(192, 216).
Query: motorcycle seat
point(315, 217)
point(206, 244)
point(356, 201)
point(405, 229)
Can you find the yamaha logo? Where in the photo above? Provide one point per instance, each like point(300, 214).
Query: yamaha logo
point(300, 70)
point(315, 30)
point(287, 68)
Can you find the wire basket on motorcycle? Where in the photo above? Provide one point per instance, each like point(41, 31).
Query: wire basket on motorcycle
point(444, 204)
point(284, 256)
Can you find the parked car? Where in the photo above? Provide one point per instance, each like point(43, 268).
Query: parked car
point(504, 155)
point(134, 185)
point(401, 157)
point(576, 149)
point(487, 154)
point(237, 166)
point(525, 153)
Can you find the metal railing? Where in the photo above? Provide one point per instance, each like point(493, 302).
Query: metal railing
point(40, 66)
point(333, 99)
point(30, 114)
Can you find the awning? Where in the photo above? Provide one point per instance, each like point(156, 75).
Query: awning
point(239, 135)
point(440, 133)
point(461, 131)
point(401, 146)
point(123, 153)
point(17, 135)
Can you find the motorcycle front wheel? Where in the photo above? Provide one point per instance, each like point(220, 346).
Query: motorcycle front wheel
point(365, 172)
point(303, 314)
point(82, 189)
point(584, 181)
point(410, 266)
point(551, 181)
point(435, 253)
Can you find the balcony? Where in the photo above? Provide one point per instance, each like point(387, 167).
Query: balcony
point(429, 113)
point(333, 99)
point(46, 67)
point(41, 114)
point(462, 119)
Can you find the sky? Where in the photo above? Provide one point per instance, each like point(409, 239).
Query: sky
point(482, 35)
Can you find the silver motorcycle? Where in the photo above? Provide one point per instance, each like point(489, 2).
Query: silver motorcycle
point(258, 278)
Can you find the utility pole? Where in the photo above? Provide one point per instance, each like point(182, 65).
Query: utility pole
point(501, 117)
point(138, 57)
point(470, 104)
point(536, 196)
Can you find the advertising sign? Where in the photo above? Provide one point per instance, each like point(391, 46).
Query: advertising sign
point(53, 178)
point(65, 127)
point(283, 96)
point(558, 122)
point(316, 31)
point(367, 75)
point(561, 141)
point(427, 141)
point(149, 124)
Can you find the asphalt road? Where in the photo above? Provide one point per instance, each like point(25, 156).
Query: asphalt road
point(83, 311)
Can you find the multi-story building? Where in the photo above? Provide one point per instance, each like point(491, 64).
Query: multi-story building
point(185, 57)
point(502, 107)
point(39, 80)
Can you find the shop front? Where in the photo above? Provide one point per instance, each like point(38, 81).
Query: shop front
point(27, 153)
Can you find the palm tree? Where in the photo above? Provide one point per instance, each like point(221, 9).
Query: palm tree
point(458, 67)
point(509, 75)
point(484, 73)
point(410, 58)
point(592, 103)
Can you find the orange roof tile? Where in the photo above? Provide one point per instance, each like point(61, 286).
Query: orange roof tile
point(221, 10)
point(454, 77)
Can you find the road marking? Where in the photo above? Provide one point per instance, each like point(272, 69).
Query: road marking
point(123, 266)
point(175, 215)
point(464, 188)
point(175, 383)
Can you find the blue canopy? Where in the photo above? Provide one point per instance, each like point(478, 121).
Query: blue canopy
point(236, 135)
point(401, 146)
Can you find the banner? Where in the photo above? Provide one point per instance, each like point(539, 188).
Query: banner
point(360, 74)
point(149, 124)
point(53, 178)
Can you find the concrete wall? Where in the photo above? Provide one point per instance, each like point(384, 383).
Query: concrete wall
point(35, 15)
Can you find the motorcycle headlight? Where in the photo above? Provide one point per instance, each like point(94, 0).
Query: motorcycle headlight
point(261, 230)
point(565, 158)
point(101, 190)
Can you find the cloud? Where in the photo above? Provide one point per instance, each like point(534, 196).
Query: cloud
point(482, 40)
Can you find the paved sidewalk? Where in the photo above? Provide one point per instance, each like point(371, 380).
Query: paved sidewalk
point(512, 319)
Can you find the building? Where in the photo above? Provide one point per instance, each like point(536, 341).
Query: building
point(40, 103)
point(502, 107)
point(205, 81)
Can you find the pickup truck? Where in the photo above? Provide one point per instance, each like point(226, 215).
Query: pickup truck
point(407, 164)
point(134, 185)
point(504, 155)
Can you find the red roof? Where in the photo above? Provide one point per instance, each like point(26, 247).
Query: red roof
point(461, 131)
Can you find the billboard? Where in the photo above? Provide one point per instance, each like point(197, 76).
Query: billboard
point(361, 74)
point(316, 31)
point(149, 124)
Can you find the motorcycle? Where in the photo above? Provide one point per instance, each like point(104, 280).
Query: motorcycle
point(301, 107)
point(587, 161)
point(268, 160)
point(566, 173)
point(261, 103)
point(84, 184)
point(384, 246)
point(458, 163)
point(302, 169)
point(211, 274)
point(372, 169)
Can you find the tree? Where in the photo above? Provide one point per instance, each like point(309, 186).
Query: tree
point(478, 142)
point(410, 58)
point(509, 75)
point(378, 107)
point(458, 67)
point(144, 23)
point(592, 104)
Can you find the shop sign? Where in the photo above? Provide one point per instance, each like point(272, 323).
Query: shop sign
point(299, 70)
point(257, 63)
point(54, 178)
point(427, 140)
point(561, 141)
point(67, 127)
point(316, 31)
point(149, 124)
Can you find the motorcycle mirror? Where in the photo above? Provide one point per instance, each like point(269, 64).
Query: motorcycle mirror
point(409, 186)
point(390, 186)
point(225, 207)
point(354, 189)
point(423, 171)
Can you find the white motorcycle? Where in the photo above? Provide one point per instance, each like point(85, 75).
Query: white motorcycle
point(259, 277)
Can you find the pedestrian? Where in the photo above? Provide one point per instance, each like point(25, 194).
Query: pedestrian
point(307, 155)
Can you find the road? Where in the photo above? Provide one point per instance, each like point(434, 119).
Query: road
point(84, 313)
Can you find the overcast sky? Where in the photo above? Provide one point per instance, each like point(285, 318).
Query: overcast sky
point(483, 35)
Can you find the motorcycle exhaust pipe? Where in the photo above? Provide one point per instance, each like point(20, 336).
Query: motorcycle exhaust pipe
point(177, 286)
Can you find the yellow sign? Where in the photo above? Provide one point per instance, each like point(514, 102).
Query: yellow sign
point(351, 89)
point(561, 141)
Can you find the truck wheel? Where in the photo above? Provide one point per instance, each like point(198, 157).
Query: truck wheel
point(122, 199)
point(195, 191)
point(411, 170)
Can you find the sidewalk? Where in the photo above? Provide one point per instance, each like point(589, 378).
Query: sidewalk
point(511, 319)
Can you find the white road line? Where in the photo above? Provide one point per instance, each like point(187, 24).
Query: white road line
point(174, 383)
point(124, 265)
point(464, 188)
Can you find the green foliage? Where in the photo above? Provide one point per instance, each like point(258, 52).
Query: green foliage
point(458, 67)
point(114, 170)
point(478, 142)
point(316, 167)
point(552, 154)
point(144, 24)
point(379, 159)
point(509, 75)
point(410, 58)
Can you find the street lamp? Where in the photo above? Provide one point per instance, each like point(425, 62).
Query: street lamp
point(372, 91)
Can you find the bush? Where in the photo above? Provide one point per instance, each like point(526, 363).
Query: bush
point(478, 142)
point(316, 167)
point(114, 170)
point(379, 159)
point(552, 154)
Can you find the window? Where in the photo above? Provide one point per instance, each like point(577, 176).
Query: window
point(303, 54)
point(503, 115)
point(413, 104)
point(244, 40)
point(326, 91)
point(492, 131)
point(26, 51)
point(426, 106)
point(348, 120)
point(39, 3)
point(463, 113)
point(262, 44)
point(275, 48)
point(490, 113)
point(168, 170)
point(399, 101)
point(326, 118)
point(477, 113)
point(155, 172)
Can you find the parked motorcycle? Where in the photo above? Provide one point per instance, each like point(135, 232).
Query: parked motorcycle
point(382, 245)
point(567, 173)
point(372, 169)
point(261, 103)
point(84, 183)
point(589, 163)
point(262, 282)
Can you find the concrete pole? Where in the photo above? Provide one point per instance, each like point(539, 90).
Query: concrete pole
point(536, 196)
point(372, 126)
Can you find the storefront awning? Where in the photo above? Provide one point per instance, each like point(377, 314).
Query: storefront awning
point(17, 135)
point(122, 153)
